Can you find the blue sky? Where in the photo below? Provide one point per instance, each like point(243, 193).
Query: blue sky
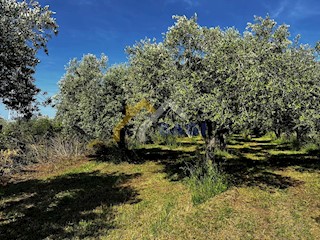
point(108, 26)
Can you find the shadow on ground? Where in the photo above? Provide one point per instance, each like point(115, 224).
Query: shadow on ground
point(70, 206)
point(173, 161)
point(242, 170)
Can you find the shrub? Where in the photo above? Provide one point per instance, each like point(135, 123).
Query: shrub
point(205, 181)
point(171, 140)
point(270, 135)
point(165, 138)
point(6, 161)
point(97, 147)
point(58, 147)
point(107, 151)
point(311, 148)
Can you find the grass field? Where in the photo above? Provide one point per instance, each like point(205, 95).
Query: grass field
point(274, 193)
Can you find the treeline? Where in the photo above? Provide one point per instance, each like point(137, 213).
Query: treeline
point(259, 80)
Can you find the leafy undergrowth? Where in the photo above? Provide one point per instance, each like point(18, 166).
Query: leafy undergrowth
point(274, 194)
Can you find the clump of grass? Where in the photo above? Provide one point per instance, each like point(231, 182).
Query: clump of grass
point(271, 135)
point(205, 181)
point(311, 148)
point(7, 158)
point(246, 134)
point(168, 139)
point(222, 155)
point(172, 141)
point(290, 140)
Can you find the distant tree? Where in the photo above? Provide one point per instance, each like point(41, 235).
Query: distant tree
point(91, 99)
point(25, 28)
point(284, 79)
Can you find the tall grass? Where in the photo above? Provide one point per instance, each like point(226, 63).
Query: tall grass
point(56, 148)
point(310, 143)
point(168, 139)
point(39, 150)
point(205, 181)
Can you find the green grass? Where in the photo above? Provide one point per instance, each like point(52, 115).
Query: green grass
point(205, 181)
point(273, 194)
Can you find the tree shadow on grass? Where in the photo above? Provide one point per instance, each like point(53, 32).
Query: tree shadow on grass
point(66, 207)
point(242, 170)
point(173, 160)
point(248, 172)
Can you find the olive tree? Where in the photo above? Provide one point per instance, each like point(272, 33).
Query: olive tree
point(78, 101)
point(285, 88)
point(25, 28)
point(91, 98)
point(207, 77)
point(259, 79)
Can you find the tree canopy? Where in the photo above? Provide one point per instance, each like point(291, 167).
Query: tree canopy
point(91, 99)
point(25, 28)
point(260, 80)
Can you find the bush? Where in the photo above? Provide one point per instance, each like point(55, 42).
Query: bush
point(270, 135)
point(58, 147)
point(6, 161)
point(97, 147)
point(107, 151)
point(167, 139)
point(205, 181)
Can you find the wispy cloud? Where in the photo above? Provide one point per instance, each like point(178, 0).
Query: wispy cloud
point(294, 9)
point(279, 10)
point(303, 9)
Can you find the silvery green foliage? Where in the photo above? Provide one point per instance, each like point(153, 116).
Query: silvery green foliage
point(285, 85)
point(25, 27)
point(206, 76)
point(255, 80)
point(91, 98)
point(152, 71)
